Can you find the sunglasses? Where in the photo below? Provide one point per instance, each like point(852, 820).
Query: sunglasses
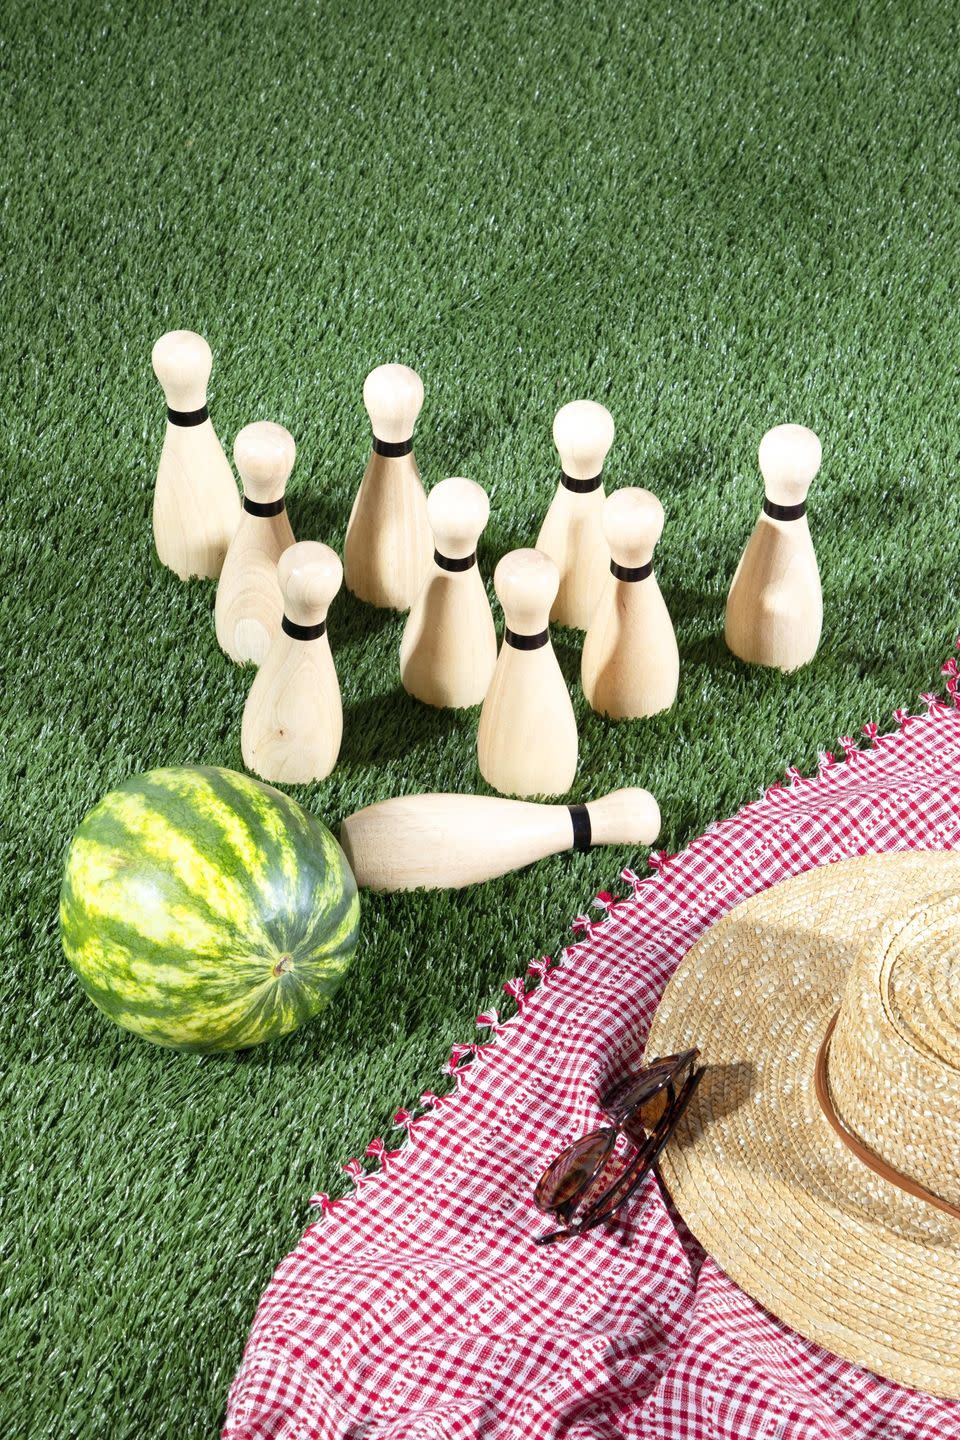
point(589, 1182)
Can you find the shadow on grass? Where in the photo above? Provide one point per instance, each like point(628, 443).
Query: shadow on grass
point(684, 474)
point(316, 515)
point(381, 727)
point(352, 621)
point(453, 444)
point(710, 650)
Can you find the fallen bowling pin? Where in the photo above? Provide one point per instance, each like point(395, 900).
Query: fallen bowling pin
point(196, 508)
point(447, 841)
point(630, 663)
point(387, 550)
point(572, 533)
point(527, 737)
point(449, 648)
point(775, 606)
point(249, 604)
point(293, 718)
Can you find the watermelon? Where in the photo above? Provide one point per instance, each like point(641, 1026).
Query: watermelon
point(205, 910)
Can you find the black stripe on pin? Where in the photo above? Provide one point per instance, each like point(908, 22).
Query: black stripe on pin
point(188, 417)
point(392, 448)
point(580, 487)
point(525, 642)
point(582, 834)
point(445, 562)
point(264, 508)
point(302, 632)
point(631, 572)
point(783, 512)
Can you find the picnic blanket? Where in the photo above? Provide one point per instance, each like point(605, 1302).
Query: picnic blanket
point(418, 1308)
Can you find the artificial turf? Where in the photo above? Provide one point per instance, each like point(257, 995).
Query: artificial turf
point(712, 219)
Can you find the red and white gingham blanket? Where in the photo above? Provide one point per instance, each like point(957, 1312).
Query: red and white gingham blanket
point(418, 1306)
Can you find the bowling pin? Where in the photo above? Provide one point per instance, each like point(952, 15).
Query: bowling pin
point(249, 604)
point(775, 606)
point(387, 551)
point(293, 718)
point(446, 841)
point(630, 664)
point(527, 737)
point(449, 647)
point(571, 532)
point(196, 507)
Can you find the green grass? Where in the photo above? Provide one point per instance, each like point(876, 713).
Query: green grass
point(710, 218)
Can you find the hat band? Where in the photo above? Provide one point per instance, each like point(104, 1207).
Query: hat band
point(856, 1145)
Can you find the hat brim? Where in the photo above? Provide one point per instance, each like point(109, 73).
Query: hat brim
point(847, 1258)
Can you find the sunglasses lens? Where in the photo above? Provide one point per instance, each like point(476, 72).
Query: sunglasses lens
point(646, 1095)
point(651, 1111)
point(628, 1181)
point(647, 1153)
point(573, 1170)
point(632, 1091)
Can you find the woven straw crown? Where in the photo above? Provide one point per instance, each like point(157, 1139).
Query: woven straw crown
point(894, 1059)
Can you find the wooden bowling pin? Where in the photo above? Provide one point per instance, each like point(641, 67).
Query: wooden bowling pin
point(775, 606)
point(249, 604)
point(630, 664)
point(527, 737)
point(446, 841)
point(571, 532)
point(293, 718)
point(196, 507)
point(387, 551)
point(449, 647)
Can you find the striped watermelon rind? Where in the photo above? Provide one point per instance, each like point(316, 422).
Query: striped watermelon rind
point(205, 910)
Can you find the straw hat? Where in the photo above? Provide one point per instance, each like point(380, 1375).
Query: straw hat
point(839, 1211)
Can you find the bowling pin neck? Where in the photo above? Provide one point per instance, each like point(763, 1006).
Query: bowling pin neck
point(632, 525)
point(624, 817)
point(774, 510)
point(265, 455)
point(393, 397)
point(182, 363)
point(458, 510)
point(310, 575)
point(526, 582)
point(583, 433)
point(789, 460)
point(579, 485)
